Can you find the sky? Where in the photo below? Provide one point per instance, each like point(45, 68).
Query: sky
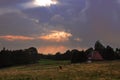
point(58, 25)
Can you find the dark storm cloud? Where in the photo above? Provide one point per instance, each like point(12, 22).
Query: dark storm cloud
point(16, 24)
point(86, 20)
point(7, 2)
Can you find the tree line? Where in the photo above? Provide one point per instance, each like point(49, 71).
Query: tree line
point(76, 56)
point(30, 55)
point(18, 57)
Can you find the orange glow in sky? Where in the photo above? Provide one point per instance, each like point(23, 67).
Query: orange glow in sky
point(52, 49)
point(16, 37)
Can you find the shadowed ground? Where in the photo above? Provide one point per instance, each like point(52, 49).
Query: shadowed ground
point(49, 70)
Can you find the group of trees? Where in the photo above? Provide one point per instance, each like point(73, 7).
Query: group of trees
point(18, 57)
point(76, 56)
point(30, 55)
point(108, 53)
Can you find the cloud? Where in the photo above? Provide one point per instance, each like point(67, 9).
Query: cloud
point(84, 20)
point(87, 5)
point(45, 2)
point(39, 3)
point(7, 10)
point(16, 37)
point(34, 20)
point(57, 18)
point(56, 36)
point(78, 39)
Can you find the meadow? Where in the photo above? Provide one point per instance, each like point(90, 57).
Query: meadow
point(49, 70)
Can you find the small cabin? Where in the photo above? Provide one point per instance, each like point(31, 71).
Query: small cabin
point(94, 56)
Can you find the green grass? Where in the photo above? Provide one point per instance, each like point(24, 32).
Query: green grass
point(49, 70)
point(53, 62)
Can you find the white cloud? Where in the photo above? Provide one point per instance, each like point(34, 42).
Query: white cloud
point(57, 18)
point(87, 5)
point(4, 11)
point(45, 3)
point(78, 39)
point(82, 15)
point(34, 20)
point(39, 3)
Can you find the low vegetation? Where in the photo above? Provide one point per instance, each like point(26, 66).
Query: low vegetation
point(49, 70)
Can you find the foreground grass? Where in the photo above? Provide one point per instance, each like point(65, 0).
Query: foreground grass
point(49, 70)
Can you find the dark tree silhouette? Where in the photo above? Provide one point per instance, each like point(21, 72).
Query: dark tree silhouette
point(117, 52)
point(18, 57)
point(58, 56)
point(109, 53)
point(67, 55)
point(100, 48)
point(89, 51)
point(78, 56)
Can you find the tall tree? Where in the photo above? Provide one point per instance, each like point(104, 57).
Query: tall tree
point(78, 56)
point(109, 53)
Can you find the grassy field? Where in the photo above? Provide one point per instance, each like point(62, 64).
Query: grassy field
point(49, 70)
